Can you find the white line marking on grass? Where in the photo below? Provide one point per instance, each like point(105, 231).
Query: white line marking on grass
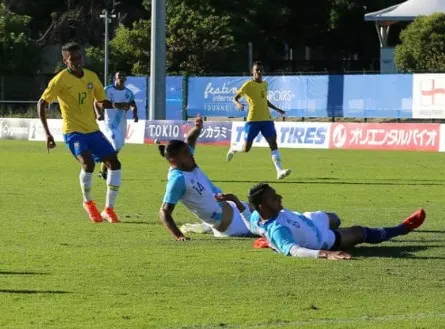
point(315, 322)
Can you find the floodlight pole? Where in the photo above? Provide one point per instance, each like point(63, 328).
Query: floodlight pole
point(107, 20)
point(157, 61)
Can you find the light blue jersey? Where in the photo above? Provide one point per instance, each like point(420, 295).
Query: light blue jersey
point(195, 190)
point(292, 229)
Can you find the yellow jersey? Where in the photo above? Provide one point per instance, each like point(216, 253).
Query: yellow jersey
point(76, 99)
point(256, 95)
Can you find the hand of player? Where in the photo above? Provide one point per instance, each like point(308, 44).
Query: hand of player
point(135, 118)
point(50, 143)
point(240, 106)
point(281, 111)
point(226, 197)
point(100, 116)
point(199, 123)
point(337, 255)
point(182, 239)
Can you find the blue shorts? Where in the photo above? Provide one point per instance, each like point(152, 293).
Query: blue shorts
point(253, 128)
point(95, 142)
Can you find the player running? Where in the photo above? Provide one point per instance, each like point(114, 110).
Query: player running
point(76, 89)
point(258, 118)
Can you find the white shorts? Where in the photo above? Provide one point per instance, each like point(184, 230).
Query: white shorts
point(236, 227)
point(321, 220)
point(116, 138)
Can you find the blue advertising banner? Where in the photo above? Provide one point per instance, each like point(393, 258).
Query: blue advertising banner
point(212, 96)
point(173, 102)
point(370, 96)
point(299, 96)
point(214, 132)
point(378, 96)
point(140, 86)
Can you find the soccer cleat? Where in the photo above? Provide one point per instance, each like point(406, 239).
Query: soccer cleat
point(261, 243)
point(283, 173)
point(93, 213)
point(109, 215)
point(414, 220)
point(102, 174)
point(230, 154)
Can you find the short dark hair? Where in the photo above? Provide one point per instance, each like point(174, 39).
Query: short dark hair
point(256, 194)
point(172, 149)
point(257, 63)
point(70, 46)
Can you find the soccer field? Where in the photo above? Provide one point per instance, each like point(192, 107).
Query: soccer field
point(58, 270)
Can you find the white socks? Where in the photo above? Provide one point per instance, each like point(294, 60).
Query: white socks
point(85, 179)
point(237, 148)
point(276, 160)
point(113, 183)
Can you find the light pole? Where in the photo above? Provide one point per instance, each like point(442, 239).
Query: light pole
point(157, 61)
point(107, 20)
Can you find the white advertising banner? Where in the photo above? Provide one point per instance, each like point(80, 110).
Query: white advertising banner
point(429, 96)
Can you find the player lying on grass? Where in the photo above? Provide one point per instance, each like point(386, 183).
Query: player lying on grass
point(310, 235)
point(188, 183)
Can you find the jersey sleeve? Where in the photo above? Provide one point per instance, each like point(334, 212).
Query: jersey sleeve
point(52, 90)
point(282, 239)
point(175, 189)
point(99, 91)
point(243, 90)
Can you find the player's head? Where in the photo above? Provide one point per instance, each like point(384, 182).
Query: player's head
point(257, 70)
point(264, 199)
point(72, 56)
point(178, 155)
point(119, 78)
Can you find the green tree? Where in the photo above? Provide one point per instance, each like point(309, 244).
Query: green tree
point(197, 39)
point(19, 54)
point(422, 45)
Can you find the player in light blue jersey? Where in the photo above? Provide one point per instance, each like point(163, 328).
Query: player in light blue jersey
point(311, 235)
point(190, 185)
point(114, 118)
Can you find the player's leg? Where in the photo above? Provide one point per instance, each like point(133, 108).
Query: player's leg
point(334, 220)
point(78, 146)
point(324, 220)
point(251, 130)
point(349, 237)
point(269, 132)
point(104, 151)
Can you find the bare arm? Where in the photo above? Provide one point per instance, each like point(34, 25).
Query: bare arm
point(165, 214)
point(134, 108)
point(193, 134)
point(273, 107)
point(99, 110)
point(42, 106)
point(236, 99)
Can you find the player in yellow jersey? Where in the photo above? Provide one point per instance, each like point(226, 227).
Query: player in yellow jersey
point(76, 89)
point(258, 118)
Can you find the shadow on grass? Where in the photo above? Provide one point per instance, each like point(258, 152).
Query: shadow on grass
point(328, 180)
point(21, 273)
point(428, 231)
point(392, 252)
point(31, 292)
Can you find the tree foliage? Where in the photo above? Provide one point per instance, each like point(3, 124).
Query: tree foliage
point(18, 54)
point(422, 45)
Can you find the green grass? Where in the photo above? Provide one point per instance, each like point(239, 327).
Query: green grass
point(57, 270)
